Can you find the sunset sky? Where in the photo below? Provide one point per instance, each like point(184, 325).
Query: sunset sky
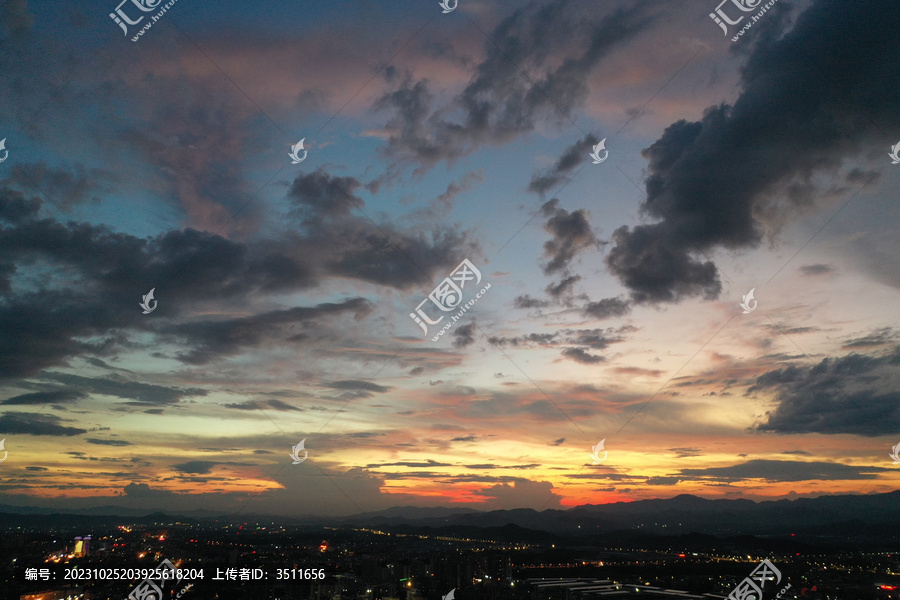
point(285, 290)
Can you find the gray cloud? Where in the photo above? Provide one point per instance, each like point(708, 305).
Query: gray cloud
point(498, 105)
point(816, 269)
point(51, 397)
point(580, 355)
point(571, 157)
point(464, 335)
point(35, 424)
point(737, 174)
point(783, 470)
point(100, 442)
point(854, 394)
point(606, 308)
point(318, 195)
point(62, 188)
point(571, 233)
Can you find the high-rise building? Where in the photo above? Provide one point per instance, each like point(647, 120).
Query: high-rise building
point(82, 546)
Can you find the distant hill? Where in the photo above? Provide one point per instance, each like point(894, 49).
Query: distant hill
point(838, 517)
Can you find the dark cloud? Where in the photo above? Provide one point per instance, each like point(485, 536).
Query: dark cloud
point(138, 393)
point(319, 195)
point(816, 269)
point(527, 301)
point(356, 384)
point(14, 208)
point(49, 324)
point(882, 337)
point(563, 288)
point(454, 189)
point(231, 336)
point(580, 355)
point(531, 338)
point(143, 490)
point(571, 233)
point(597, 339)
point(499, 104)
point(726, 181)
point(412, 465)
point(262, 404)
point(606, 308)
point(779, 329)
point(854, 394)
point(100, 442)
point(195, 467)
point(60, 187)
point(464, 335)
point(571, 157)
point(662, 480)
point(685, 452)
point(522, 493)
point(35, 424)
point(53, 397)
point(783, 470)
point(558, 442)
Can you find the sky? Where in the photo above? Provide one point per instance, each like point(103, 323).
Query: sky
point(441, 293)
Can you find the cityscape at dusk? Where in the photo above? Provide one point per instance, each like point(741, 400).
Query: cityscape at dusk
point(522, 300)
